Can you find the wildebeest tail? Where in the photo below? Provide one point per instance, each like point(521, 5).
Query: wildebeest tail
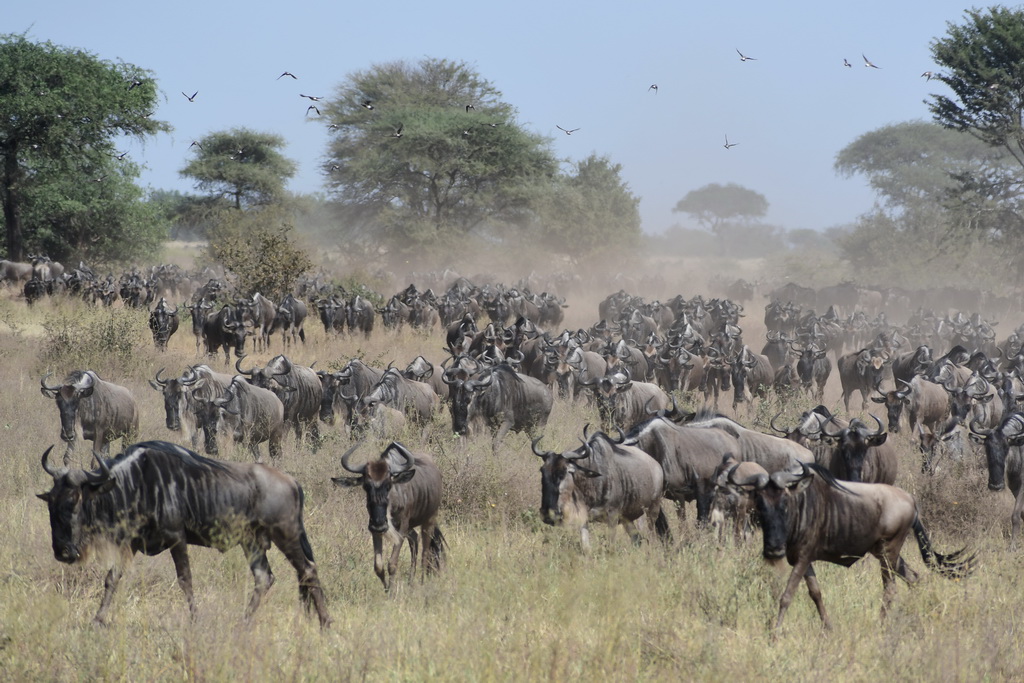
point(662, 528)
point(438, 545)
point(307, 549)
point(952, 566)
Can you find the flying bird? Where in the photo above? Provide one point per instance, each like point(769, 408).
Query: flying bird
point(398, 131)
point(366, 104)
point(310, 97)
point(494, 125)
point(120, 156)
point(867, 62)
point(567, 132)
point(469, 108)
point(728, 144)
point(195, 144)
point(927, 75)
point(193, 98)
point(654, 87)
point(286, 73)
point(313, 107)
point(846, 63)
point(744, 58)
point(333, 126)
point(135, 84)
point(335, 167)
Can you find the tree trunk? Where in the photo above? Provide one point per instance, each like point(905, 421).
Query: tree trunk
point(10, 194)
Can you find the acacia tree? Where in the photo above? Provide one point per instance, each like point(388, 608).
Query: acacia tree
point(60, 111)
point(714, 204)
point(427, 152)
point(242, 165)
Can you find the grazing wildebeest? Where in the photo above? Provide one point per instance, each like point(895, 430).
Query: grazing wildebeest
point(158, 496)
point(104, 410)
point(622, 403)
point(299, 388)
point(499, 401)
point(733, 496)
point(810, 516)
point(252, 414)
point(163, 322)
point(618, 485)
point(1006, 463)
point(403, 491)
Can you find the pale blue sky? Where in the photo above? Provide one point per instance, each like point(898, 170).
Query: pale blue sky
point(574, 64)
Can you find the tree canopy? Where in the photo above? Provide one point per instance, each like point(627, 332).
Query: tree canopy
point(242, 165)
point(714, 204)
point(428, 152)
point(61, 110)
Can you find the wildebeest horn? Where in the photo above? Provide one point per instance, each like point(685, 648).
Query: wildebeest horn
point(772, 424)
point(586, 428)
point(533, 447)
point(56, 474)
point(784, 479)
point(344, 460)
point(402, 451)
point(45, 388)
point(103, 469)
point(879, 423)
point(622, 436)
point(161, 382)
point(978, 430)
point(824, 427)
point(238, 366)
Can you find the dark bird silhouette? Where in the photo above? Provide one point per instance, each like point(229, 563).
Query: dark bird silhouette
point(567, 132)
point(135, 84)
point(193, 98)
point(867, 62)
point(494, 125)
point(195, 144)
point(100, 179)
point(744, 58)
point(654, 87)
point(286, 73)
point(335, 167)
point(333, 126)
point(469, 108)
point(398, 131)
point(310, 97)
point(313, 107)
point(366, 104)
point(728, 144)
point(927, 75)
point(846, 63)
point(120, 156)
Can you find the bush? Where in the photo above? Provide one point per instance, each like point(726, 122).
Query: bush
point(104, 340)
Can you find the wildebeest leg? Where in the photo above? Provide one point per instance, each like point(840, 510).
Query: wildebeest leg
point(506, 425)
point(889, 569)
point(414, 550)
point(109, 586)
point(256, 549)
point(815, 592)
point(274, 446)
point(378, 559)
point(1018, 509)
point(430, 560)
point(634, 534)
point(179, 554)
point(585, 537)
point(396, 550)
point(298, 552)
point(799, 570)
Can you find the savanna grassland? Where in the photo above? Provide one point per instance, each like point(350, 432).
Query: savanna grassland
point(518, 600)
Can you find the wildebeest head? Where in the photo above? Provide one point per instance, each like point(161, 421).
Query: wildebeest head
point(77, 385)
point(853, 442)
point(735, 483)
point(606, 392)
point(210, 411)
point(557, 478)
point(961, 399)
point(894, 402)
point(462, 392)
point(377, 477)
point(1010, 434)
point(774, 500)
point(71, 489)
point(172, 391)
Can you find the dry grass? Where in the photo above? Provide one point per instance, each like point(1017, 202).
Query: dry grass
point(518, 600)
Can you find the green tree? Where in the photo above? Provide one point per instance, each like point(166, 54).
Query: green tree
point(714, 204)
point(242, 165)
point(61, 110)
point(424, 153)
point(590, 209)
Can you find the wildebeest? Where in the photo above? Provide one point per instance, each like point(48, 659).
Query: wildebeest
point(861, 371)
point(14, 271)
point(860, 454)
point(298, 387)
point(291, 319)
point(105, 411)
point(356, 378)
point(1006, 463)
point(163, 322)
point(256, 415)
point(618, 485)
point(771, 452)
point(622, 402)
point(416, 399)
point(814, 368)
point(224, 330)
point(403, 491)
point(180, 394)
point(158, 496)
point(262, 312)
point(927, 405)
point(733, 495)
point(810, 516)
point(500, 400)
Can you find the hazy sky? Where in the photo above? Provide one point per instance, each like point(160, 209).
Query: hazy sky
point(584, 65)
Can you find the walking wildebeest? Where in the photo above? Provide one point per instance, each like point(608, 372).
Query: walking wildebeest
point(105, 411)
point(256, 415)
point(180, 396)
point(158, 496)
point(403, 491)
point(1005, 463)
point(811, 516)
point(299, 388)
point(619, 485)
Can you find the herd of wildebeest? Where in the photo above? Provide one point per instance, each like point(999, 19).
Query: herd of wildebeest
point(820, 488)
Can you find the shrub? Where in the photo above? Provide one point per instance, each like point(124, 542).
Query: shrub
point(104, 340)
